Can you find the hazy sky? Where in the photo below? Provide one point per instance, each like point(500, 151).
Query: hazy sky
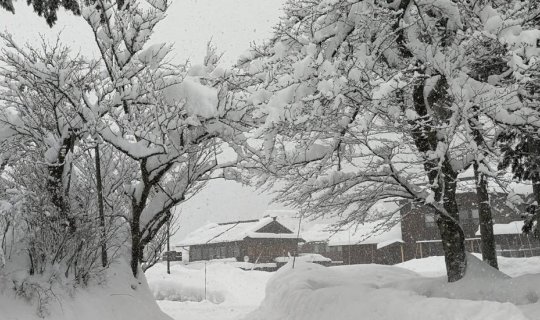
point(231, 24)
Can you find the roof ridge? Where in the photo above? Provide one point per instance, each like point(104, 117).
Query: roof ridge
point(239, 221)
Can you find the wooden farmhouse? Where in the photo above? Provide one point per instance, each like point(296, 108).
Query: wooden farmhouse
point(257, 241)
point(421, 236)
point(416, 235)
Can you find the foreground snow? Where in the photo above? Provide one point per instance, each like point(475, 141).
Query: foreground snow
point(434, 266)
point(120, 297)
point(389, 292)
point(416, 289)
point(231, 292)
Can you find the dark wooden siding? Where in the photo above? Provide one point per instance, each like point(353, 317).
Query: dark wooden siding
point(334, 252)
point(266, 250)
point(260, 250)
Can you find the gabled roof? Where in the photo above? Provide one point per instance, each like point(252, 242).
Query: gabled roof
point(377, 232)
point(236, 231)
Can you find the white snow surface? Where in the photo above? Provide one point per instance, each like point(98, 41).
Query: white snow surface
point(231, 292)
point(387, 292)
point(120, 297)
point(376, 292)
point(513, 227)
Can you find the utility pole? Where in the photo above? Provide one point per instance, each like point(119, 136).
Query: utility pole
point(168, 245)
point(297, 240)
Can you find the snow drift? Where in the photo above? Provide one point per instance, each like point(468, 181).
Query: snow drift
point(119, 297)
point(224, 283)
point(387, 292)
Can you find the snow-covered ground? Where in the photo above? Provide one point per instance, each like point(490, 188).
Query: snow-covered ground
point(416, 289)
point(118, 297)
point(231, 292)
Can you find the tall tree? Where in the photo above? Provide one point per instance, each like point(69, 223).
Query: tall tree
point(365, 101)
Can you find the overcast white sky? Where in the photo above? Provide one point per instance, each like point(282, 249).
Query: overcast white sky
point(232, 25)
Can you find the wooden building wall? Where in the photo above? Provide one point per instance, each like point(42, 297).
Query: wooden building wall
point(260, 250)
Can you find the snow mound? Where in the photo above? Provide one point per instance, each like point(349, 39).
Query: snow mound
point(435, 267)
point(120, 297)
point(224, 283)
point(481, 282)
point(376, 292)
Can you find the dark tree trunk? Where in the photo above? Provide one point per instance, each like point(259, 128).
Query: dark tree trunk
point(136, 251)
point(453, 242)
point(452, 236)
point(99, 186)
point(489, 252)
point(443, 180)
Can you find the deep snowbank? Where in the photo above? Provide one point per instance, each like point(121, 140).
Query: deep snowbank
point(224, 283)
point(120, 297)
point(387, 293)
point(434, 266)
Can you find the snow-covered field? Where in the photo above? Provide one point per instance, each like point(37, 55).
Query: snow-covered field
point(416, 289)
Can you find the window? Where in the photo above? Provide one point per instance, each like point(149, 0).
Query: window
point(475, 214)
point(339, 248)
point(236, 250)
point(429, 220)
point(196, 253)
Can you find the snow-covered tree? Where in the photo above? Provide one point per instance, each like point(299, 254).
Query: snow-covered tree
point(168, 123)
point(46, 8)
point(365, 101)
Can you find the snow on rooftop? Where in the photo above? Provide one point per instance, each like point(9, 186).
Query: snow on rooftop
point(513, 227)
point(467, 184)
point(233, 231)
point(377, 232)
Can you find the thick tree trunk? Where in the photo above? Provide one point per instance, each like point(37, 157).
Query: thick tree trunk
point(443, 181)
point(489, 252)
point(453, 242)
point(452, 236)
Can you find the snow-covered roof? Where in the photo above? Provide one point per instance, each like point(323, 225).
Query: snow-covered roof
point(233, 231)
point(376, 232)
point(513, 227)
point(467, 184)
point(304, 257)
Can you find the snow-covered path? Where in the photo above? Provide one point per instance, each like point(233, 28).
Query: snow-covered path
point(204, 310)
